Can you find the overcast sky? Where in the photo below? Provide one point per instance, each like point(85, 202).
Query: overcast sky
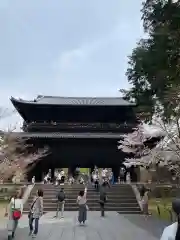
point(65, 47)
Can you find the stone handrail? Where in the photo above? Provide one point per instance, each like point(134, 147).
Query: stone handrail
point(27, 192)
point(137, 194)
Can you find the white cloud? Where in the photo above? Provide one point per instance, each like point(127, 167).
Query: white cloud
point(69, 58)
point(72, 58)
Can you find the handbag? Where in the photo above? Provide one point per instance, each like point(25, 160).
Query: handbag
point(16, 214)
point(30, 211)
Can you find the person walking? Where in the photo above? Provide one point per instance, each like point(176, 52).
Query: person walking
point(62, 177)
point(104, 174)
point(82, 203)
point(96, 182)
point(103, 198)
point(33, 180)
point(145, 202)
point(111, 177)
point(36, 211)
point(81, 180)
point(60, 202)
point(45, 179)
point(14, 212)
point(58, 178)
point(173, 231)
point(49, 176)
point(71, 180)
point(122, 174)
point(142, 191)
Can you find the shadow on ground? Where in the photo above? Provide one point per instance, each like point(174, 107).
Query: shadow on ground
point(151, 224)
point(22, 234)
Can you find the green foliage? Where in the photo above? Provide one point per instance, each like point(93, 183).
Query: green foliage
point(161, 208)
point(154, 65)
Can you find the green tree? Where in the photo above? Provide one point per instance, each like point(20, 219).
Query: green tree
point(154, 65)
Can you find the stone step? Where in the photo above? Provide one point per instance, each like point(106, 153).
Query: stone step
point(71, 196)
point(89, 189)
point(49, 191)
point(80, 185)
point(121, 198)
point(89, 192)
point(79, 189)
point(93, 208)
point(44, 186)
point(113, 200)
point(125, 205)
point(90, 204)
point(98, 210)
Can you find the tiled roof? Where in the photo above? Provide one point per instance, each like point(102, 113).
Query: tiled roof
point(83, 101)
point(93, 101)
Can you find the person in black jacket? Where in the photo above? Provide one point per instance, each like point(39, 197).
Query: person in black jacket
point(60, 202)
point(103, 198)
point(142, 191)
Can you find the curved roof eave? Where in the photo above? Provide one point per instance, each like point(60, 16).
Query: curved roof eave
point(79, 101)
point(18, 105)
point(21, 101)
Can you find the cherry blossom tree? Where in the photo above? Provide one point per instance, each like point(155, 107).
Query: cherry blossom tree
point(15, 153)
point(169, 147)
point(167, 151)
point(15, 158)
point(134, 143)
point(165, 154)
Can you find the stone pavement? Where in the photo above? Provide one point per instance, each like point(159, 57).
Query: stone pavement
point(152, 224)
point(113, 226)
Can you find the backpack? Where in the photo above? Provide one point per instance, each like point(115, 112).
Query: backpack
point(61, 196)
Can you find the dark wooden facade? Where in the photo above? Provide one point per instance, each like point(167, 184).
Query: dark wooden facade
point(78, 131)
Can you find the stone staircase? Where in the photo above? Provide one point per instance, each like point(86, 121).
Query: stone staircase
point(121, 198)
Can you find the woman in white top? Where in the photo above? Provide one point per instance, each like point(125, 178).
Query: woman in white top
point(172, 232)
point(104, 173)
point(33, 180)
point(14, 213)
point(58, 178)
point(81, 201)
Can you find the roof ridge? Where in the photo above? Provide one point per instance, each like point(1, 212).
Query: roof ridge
point(48, 96)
